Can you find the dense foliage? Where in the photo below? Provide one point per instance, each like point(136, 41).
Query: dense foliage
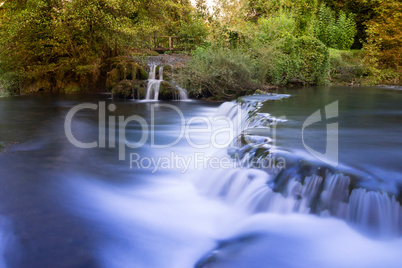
point(384, 43)
point(54, 45)
point(220, 72)
point(73, 46)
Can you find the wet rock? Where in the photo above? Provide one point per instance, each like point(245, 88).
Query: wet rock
point(124, 69)
point(72, 88)
point(167, 91)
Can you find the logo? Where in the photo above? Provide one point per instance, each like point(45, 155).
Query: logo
point(330, 156)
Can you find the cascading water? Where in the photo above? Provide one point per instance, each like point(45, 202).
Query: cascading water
point(154, 85)
point(254, 213)
point(182, 95)
point(302, 189)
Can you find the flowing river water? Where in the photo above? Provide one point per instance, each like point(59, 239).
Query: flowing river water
point(263, 189)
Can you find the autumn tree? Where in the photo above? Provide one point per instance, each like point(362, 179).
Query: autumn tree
point(384, 44)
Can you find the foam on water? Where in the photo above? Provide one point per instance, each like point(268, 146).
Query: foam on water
point(243, 217)
point(169, 224)
point(164, 224)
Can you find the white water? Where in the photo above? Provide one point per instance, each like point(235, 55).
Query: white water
point(173, 221)
point(169, 224)
point(164, 224)
point(182, 93)
point(154, 85)
point(251, 190)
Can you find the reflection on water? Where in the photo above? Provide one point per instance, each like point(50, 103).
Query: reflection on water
point(72, 207)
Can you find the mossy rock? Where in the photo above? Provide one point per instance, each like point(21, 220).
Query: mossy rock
point(124, 89)
point(167, 91)
point(142, 74)
point(157, 72)
point(72, 88)
point(40, 85)
point(112, 78)
point(168, 73)
point(130, 89)
point(124, 69)
point(259, 92)
point(140, 89)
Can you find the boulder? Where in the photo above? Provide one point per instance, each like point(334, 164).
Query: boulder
point(167, 91)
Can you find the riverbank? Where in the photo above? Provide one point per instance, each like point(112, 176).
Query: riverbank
point(217, 75)
point(3, 93)
point(224, 74)
point(349, 67)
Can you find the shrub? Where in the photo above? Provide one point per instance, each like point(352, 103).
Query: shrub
point(303, 60)
point(275, 27)
point(334, 32)
point(347, 66)
point(219, 72)
point(228, 73)
point(314, 60)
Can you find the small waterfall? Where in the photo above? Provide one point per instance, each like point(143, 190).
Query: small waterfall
point(154, 84)
point(308, 188)
point(375, 213)
point(153, 87)
point(182, 93)
point(161, 73)
point(152, 72)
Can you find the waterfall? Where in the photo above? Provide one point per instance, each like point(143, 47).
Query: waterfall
point(375, 212)
point(152, 72)
point(182, 93)
point(309, 188)
point(154, 84)
point(161, 73)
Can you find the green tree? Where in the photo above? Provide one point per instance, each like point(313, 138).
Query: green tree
point(58, 44)
point(336, 32)
point(363, 10)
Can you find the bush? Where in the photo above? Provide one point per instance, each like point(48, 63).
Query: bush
point(347, 66)
point(3, 93)
point(275, 27)
point(303, 60)
point(219, 72)
point(229, 73)
point(334, 32)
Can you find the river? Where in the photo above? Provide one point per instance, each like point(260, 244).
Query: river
point(162, 184)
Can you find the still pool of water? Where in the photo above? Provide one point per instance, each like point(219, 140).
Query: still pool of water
point(63, 206)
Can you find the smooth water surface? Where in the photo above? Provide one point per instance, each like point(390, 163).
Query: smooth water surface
point(63, 206)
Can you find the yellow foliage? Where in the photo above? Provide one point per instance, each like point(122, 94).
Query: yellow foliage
point(384, 45)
